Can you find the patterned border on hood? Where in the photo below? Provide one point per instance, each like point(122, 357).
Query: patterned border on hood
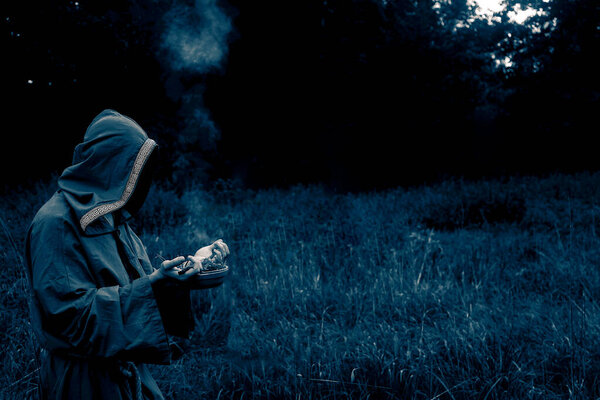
point(104, 209)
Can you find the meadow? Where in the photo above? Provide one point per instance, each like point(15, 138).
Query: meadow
point(456, 290)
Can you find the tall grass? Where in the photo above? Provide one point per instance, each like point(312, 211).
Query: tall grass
point(481, 290)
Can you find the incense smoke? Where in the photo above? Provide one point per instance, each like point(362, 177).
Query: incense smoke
point(194, 42)
point(196, 36)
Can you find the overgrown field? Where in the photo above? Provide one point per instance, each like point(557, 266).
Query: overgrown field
point(485, 290)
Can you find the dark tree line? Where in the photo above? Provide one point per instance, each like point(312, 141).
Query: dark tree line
point(356, 94)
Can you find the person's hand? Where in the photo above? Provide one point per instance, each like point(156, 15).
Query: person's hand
point(170, 269)
point(216, 252)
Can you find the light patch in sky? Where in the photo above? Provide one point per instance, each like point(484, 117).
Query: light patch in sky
point(519, 15)
point(486, 9)
point(505, 62)
point(490, 9)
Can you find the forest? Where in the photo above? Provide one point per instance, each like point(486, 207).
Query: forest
point(409, 189)
point(357, 95)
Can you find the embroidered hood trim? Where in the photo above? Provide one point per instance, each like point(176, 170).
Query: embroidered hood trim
point(140, 160)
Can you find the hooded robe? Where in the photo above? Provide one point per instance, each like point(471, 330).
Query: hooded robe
point(94, 311)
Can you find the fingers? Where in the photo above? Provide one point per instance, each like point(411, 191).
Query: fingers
point(169, 264)
point(221, 247)
point(189, 273)
point(217, 256)
point(185, 272)
point(219, 251)
point(186, 266)
point(194, 262)
point(191, 268)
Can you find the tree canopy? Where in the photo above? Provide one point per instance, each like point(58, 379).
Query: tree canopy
point(358, 94)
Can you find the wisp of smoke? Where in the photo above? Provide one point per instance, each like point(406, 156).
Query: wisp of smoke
point(196, 35)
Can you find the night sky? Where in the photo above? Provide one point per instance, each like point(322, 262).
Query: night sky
point(361, 94)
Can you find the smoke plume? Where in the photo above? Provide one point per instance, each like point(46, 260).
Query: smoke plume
point(196, 36)
point(194, 42)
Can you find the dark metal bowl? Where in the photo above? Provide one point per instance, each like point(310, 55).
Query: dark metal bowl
point(207, 279)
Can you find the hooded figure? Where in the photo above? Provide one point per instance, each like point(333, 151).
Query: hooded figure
point(97, 315)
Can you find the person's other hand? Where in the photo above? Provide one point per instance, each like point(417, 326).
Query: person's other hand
point(170, 269)
point(217, 251)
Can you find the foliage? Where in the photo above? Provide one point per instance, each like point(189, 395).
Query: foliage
point(361, 94)
point(390, 294)
point(458, 204)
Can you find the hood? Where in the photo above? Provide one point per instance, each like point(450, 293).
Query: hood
point(105, 171)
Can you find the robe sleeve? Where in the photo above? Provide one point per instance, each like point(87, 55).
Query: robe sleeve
point(81, 319)
point(175, 307)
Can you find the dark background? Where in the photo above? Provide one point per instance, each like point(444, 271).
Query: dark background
point(354, 94)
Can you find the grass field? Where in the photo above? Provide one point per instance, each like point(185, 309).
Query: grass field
point(460, 290)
